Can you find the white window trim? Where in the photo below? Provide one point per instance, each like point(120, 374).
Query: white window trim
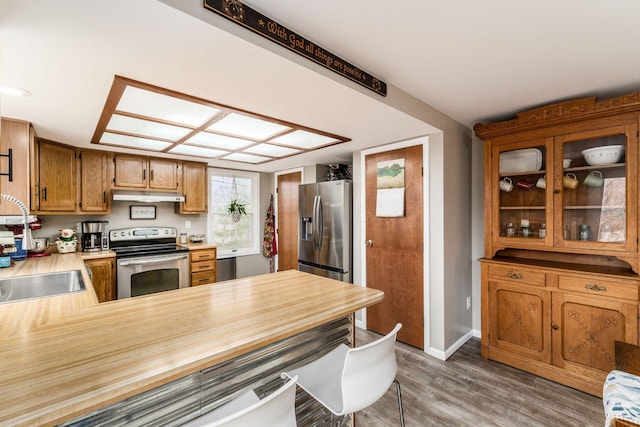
point(255, 203)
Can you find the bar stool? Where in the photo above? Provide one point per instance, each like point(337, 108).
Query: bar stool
point(346, 380)
point(275, 410)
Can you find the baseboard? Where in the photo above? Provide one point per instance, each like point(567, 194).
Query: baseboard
point(444, 355)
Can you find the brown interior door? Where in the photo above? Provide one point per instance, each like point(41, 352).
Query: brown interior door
point(395, 251)
point(287, 220)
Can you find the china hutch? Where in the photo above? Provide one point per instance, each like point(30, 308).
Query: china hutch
point(560, 268)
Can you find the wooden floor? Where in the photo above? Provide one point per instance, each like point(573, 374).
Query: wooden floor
point(468, 390)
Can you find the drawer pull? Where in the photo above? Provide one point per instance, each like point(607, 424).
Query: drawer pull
point(596, 288)
point(513, 275)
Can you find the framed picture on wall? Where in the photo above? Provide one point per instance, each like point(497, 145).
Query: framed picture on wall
point(142, 212)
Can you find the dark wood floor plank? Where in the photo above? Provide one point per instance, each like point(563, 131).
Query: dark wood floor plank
point(468, 390)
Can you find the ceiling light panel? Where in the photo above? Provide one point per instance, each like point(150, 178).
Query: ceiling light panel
point(192, 150)
point(133, 142)
point(304, 139)
point(219, 141)
point(145, 117)
point(272, 150)
point(246, 158)
point(141, 127)
point(164, 107)
point(247, 127)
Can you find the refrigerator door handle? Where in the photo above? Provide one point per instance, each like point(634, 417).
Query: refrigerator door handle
point(320, 227)
point(313, 221)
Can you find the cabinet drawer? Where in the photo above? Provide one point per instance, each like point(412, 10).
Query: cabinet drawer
point(627, 289)
point(517, 274)
point(203, 266)
point(202, 255)
point(203, 278)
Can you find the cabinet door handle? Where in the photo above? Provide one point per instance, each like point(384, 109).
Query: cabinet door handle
point(596, 288)
point(554, 327)
point(144, 174)
point(514, 275)
point(44, 194)
point(9, 157)
point(104, 197)
point(151, 175)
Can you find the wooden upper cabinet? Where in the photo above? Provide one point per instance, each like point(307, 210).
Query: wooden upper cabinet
point(130, 171)
point(194, 188)
point(145, 173)
point(57, 177)
point(541, 191)
point(94, 181)
point(163, 174)
point(17, 136)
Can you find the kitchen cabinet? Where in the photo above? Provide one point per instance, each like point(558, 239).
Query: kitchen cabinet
point(17, 136)
point(54, 186)
point(194, 188)
point(556, 322)
point(103, 278)
point(561, 211)
point(203, 266)
point(560, 270)
point(94, 181)
point(140, 172)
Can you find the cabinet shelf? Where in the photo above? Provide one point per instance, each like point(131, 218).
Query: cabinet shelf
point(596, 167)
point(528, 173)
point(522, 208)
point(598, 207)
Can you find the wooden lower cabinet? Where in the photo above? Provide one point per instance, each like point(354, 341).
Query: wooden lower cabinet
point(103, 278)
point(562, 327)
point(203, 266)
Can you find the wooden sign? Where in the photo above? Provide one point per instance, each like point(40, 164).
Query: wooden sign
point(270, 29)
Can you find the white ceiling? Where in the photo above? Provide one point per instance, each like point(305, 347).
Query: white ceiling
point(474, 61)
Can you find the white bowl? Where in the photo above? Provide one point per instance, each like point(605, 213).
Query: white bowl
point(603, 155)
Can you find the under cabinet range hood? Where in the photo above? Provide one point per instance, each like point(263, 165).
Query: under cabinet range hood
point(147, 196)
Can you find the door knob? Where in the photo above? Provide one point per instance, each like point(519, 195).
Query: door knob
point(368, 243)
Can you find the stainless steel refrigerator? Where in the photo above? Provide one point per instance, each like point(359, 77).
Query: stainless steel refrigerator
point(324, 246)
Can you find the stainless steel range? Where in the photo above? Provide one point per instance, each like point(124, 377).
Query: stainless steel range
point(148, 260)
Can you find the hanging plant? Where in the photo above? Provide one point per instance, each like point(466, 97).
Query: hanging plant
point(236, 209)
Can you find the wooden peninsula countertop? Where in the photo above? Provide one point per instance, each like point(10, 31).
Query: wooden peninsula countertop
point(104, 353)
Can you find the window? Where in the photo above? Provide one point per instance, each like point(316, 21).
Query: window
point(234, 238)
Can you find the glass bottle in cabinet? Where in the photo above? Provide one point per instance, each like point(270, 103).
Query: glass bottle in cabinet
point(593, 188)
point(521, 191)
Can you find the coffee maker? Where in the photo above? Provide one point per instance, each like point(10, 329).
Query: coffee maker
point(94, 234)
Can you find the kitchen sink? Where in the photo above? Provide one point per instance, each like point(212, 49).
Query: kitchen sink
point(40, 285)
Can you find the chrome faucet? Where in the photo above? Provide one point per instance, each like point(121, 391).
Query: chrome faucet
point(27, 240)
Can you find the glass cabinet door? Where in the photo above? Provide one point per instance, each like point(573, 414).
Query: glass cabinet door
point(520, 187)
point(593, 188)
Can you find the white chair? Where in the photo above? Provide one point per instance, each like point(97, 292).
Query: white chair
point(346, 380)
point(276, 410)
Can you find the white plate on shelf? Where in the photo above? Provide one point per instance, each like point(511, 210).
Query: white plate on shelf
point(518, 161)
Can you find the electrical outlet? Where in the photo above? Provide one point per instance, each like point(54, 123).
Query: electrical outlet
point(187, 224)
point(468, 303)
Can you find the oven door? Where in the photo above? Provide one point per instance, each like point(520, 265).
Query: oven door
point(152, 273)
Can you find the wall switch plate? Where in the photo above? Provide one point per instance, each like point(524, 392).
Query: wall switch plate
point(468, 303)
point(187, 224)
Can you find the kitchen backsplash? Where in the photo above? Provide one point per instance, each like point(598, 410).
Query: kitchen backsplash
point(119, 218)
